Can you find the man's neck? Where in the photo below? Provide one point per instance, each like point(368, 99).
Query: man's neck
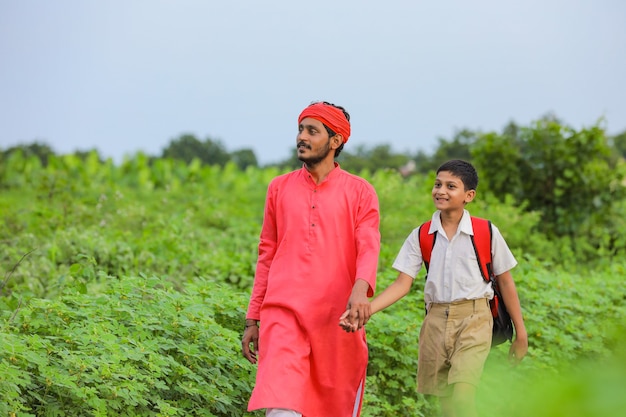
point(320, 171)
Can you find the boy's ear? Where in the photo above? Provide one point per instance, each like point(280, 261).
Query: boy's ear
point(469, 196)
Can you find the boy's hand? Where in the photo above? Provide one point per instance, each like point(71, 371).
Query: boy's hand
point(519, 348)
point(345, 324)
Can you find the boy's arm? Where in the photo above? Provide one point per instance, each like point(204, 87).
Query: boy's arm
point(398, 289)
point(519, 348)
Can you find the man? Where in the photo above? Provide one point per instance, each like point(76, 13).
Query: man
point(318, 255)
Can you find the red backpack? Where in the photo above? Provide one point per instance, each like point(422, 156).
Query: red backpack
point(481, 240)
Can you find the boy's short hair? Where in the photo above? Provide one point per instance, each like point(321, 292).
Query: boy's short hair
point(463, 170)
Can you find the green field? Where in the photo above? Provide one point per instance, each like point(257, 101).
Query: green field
point(124, 288)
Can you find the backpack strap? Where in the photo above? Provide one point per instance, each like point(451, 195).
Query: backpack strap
point(427, 242)
point(482, 246)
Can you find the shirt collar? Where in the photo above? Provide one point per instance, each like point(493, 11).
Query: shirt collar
point(465, 226)
point(335, 172)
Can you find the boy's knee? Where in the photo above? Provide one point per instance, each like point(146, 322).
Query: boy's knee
point(462, 405)
point(464, 400)
point(447, 407)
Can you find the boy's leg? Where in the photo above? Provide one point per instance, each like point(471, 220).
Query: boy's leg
point(461, 403)
point(447, 409)
point(472, 343)
point(432, 362)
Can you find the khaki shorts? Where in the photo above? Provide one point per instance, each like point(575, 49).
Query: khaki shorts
point(454, 343)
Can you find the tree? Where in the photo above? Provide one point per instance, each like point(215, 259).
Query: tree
point(457, 148)
point(216, 153)
point(187, 147)
point(423, 162)
point(619, 144)
point(371, 159)
point(84, 155)
point(291, 162)
point(567, 175)
point(41, 150)
point(244, 158)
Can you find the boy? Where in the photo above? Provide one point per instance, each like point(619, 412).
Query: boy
point(455, 337)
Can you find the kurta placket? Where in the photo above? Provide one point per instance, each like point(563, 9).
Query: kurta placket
point(313, 214)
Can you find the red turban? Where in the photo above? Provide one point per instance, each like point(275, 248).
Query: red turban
point(331, 116)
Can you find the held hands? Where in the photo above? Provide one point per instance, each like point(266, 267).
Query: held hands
point(345, 324)
point(358, 312)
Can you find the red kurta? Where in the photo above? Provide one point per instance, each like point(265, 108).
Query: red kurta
point(316, 241)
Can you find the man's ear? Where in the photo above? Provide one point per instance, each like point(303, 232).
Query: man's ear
point(337, 140)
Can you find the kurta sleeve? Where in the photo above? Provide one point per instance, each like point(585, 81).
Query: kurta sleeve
point(267, 249)
point(368, 238)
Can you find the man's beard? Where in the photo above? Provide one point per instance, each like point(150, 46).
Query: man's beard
point(314, 160)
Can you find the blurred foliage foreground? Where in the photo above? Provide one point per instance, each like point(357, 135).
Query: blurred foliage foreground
point(124, 290)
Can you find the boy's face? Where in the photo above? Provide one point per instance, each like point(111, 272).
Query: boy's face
point(449, 192)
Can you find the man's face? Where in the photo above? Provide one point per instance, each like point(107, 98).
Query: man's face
point(313, 142)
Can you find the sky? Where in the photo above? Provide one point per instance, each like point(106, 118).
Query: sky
point(123, 76)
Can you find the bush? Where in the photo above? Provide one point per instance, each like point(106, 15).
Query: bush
point(138, 348)
point(84, 331)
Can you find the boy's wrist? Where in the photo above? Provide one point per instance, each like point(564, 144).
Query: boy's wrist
point(521, 333)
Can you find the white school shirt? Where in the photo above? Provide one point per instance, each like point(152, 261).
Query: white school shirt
point(453, 272)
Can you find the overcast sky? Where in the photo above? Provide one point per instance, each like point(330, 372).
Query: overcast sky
point(129, 75)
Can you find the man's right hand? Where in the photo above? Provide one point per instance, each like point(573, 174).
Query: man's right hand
point(250, 338)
